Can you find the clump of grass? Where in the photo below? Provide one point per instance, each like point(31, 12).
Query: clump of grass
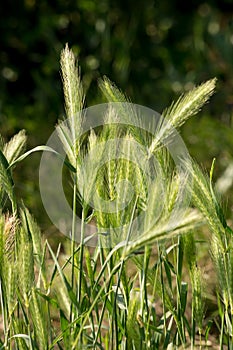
point(125, 293)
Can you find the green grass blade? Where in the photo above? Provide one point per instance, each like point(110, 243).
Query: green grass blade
point(42, 148)
point(15, 146)
point(66, 284)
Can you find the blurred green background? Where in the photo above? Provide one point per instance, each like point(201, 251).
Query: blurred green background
point(152, 50)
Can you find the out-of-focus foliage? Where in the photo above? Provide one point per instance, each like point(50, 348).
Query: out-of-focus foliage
point(153, 50)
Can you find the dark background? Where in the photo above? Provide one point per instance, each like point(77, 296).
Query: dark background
point(153, 51)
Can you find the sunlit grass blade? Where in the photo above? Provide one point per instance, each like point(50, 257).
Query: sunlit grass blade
point(72, 85)
point(165, 231)
point(178, 113)
point(14, 148)
point(42, 149)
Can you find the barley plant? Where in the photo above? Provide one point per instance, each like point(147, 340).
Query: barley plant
point(130, 291)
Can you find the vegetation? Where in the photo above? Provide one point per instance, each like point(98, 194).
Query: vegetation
point(133, 293)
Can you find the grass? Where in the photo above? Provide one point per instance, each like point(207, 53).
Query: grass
point(130, 291)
